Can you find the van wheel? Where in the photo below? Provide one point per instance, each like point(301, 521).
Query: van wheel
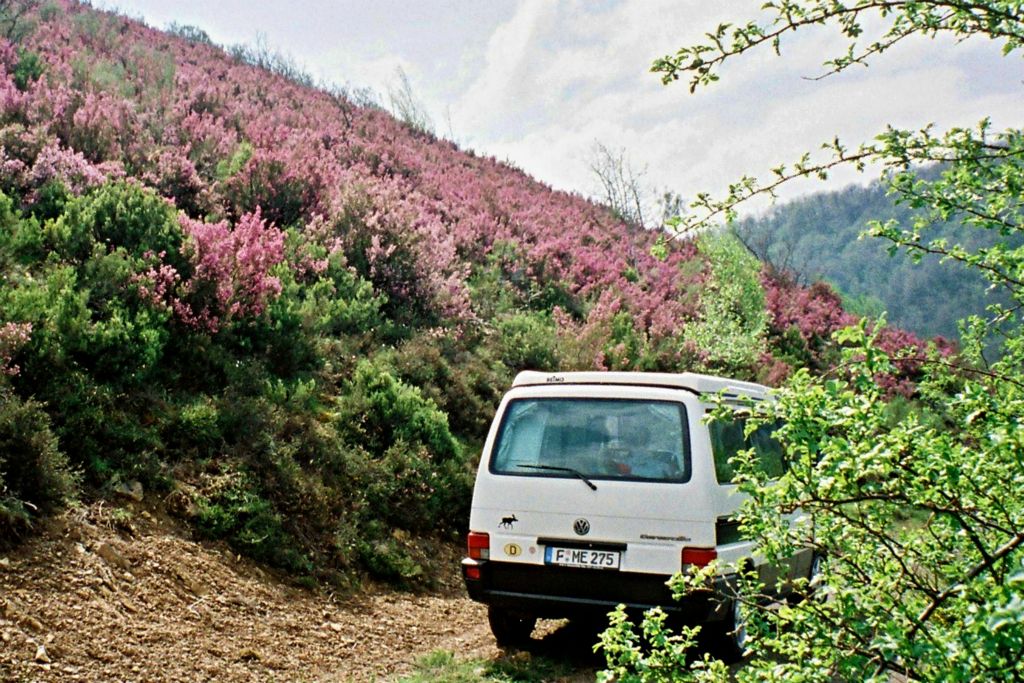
point(730, 635)
point(510, 629)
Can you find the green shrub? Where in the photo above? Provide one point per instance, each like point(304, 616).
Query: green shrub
point(21, 240)
point(380, 410)
point(233, 508)
point(387, 559)
point(28, 70)
point(34, 474)
point(119, 215)
point(527, 341)
point(193, 431)
point(49, 200)
point(406, 490)
point(460, 376)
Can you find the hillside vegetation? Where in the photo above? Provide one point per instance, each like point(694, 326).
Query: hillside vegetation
point(817, 237)
point(292, 316)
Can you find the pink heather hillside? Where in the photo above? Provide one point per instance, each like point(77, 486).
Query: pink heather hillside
point(245, 155)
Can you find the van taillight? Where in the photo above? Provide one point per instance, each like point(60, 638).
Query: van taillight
point(699, 557)
point(479, 545)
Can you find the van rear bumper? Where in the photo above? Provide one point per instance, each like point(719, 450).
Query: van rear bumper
point(563, 592)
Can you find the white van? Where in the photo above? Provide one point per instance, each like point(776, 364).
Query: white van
point(594, 488)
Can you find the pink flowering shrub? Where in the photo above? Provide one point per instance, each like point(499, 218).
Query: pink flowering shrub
point(12, 337)
point(102, 127)
point(71, 168)
point(235, 261)
point(803, 320)
point(278, 186)
point(431, 211)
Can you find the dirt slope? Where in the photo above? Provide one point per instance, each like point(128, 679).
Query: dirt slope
point(101, 595)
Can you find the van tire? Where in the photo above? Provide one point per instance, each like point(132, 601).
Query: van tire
point(730, 636)
point(510, 629)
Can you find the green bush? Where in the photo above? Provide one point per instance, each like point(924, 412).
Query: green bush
point(408, 491)
point(96, 348)
point(460, 376)
point(233, 507)
point(527, 341)
point(387, 559)
point(34, 475)
point(28, 70)
point(121, 215)
point(193, 431)
point(380, 410)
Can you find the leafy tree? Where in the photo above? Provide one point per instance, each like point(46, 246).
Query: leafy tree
point(919, 514)
point(732, 322)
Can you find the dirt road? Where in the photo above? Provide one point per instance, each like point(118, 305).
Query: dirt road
point(98, 597)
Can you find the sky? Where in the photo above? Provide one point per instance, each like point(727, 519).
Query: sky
point(539, 83)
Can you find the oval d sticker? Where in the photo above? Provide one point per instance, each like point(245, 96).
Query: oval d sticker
point(513, 550)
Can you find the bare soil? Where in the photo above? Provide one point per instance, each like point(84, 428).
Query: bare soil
point(104, 594)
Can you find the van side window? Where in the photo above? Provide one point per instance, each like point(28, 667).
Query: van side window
point(727, 439)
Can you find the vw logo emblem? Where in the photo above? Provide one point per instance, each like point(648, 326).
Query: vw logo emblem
point(581, 527)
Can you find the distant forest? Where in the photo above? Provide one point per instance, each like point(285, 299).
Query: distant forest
point(816, 238)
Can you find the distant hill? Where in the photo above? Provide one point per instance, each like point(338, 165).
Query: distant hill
point(816, 238)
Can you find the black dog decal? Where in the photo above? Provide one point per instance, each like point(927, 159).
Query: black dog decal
point(507, 522)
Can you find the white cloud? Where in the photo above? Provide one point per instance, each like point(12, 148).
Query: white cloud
point(560, 77)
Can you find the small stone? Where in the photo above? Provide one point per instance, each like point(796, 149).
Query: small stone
point(41, 656)
point(4, 563)
point(111, 556)
point(130, 489)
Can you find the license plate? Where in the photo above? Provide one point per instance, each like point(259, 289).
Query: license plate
point(578, 557)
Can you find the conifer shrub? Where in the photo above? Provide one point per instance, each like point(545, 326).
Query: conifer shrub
point(116, 215)
point(527, 341)
point(28, 70)
point(378, 410)
point(461, 376)
point(35, 477)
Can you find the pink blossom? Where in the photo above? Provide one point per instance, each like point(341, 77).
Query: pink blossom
point(12, 337)
point(67, 166)
point(236, 261)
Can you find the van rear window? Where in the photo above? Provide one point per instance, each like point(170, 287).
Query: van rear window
point(596, 438)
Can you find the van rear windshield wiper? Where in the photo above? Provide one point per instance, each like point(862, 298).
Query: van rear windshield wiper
point(570, 470)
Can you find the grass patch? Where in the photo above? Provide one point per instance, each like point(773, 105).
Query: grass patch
point(442, 666)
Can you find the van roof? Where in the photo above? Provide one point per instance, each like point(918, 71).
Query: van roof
point(691, 381)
